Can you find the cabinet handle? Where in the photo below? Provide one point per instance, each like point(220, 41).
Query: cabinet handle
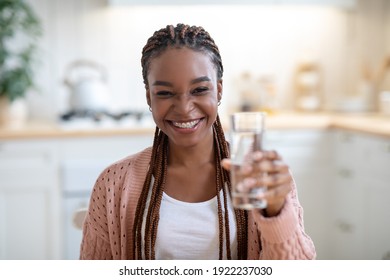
point(345, 227)
point(347, 137)
point(386, 256)
point(345, 173)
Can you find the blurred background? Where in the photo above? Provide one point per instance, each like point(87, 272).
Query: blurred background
point(342, 44)
point(72, 101)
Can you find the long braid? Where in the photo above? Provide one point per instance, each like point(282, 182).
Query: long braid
point(195, 38)
point(157, 203)
point(220, 186)
point(143, 197)
point(220, 223)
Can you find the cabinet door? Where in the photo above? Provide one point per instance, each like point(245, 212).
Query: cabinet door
point(377, 221)
point(28, 201)
point(361, 197)
point(308, 152)
point(377, 160)
point(347, 205)
point(23, 219)
point(81, 162)
point(112, 148)
point(347, 210)
point(377, 183)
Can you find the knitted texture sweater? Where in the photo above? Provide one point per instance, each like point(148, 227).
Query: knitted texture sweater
point(108, 226)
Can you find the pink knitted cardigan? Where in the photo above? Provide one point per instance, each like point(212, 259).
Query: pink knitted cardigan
point(107, 230)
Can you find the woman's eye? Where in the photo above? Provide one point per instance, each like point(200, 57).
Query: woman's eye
point(163, 93)
point(199, 90)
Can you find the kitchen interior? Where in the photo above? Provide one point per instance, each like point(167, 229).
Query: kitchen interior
point(319, 68)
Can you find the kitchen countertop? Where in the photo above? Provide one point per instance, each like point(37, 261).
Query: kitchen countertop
point(374, 124)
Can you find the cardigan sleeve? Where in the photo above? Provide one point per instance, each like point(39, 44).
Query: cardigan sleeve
point(94, 247)
point(95, 242)
point(283, 236)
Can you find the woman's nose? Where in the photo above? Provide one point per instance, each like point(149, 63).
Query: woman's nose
point(183, 104)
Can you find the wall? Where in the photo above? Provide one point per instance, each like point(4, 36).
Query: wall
point(261, 39)
point(368, 42)
point(386, 83)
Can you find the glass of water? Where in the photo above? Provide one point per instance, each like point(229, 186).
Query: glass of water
point(246, 136)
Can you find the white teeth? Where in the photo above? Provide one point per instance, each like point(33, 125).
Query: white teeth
point(186, 124)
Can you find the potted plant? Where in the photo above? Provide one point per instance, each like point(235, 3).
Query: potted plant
point(19, 30)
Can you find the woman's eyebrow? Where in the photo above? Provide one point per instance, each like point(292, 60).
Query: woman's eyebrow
point(200, 79)
point(162, 83)
point(194, 81)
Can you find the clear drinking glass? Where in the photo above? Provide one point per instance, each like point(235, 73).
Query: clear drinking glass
point(247, 131)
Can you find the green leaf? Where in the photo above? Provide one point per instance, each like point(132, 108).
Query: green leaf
point(16, 17)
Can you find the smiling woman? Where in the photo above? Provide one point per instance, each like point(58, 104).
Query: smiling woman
point(172, 200)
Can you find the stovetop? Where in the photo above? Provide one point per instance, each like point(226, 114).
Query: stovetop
point(95, 119)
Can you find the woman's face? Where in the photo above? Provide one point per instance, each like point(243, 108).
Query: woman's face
point(183, 94)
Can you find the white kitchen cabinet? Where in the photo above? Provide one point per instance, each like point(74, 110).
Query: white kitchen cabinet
point(308, 153)
point(42, 183)
point(377, 224)
point(29, 228)
point(376, 182)
point(81, 162)
point(346, 232)
point(343, 182)
point(360, 226)
point(347, 211)
point(377, 158)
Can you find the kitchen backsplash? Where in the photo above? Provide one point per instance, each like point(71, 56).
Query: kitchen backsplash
point(268, 42)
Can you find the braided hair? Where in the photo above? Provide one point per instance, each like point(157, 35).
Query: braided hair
point(197, 39)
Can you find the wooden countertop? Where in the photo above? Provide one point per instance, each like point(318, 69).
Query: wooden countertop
point(365, 123)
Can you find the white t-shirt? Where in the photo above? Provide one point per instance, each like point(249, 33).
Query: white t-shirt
point(190, 231)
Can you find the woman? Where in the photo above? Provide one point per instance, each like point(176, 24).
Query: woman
point(172, 200)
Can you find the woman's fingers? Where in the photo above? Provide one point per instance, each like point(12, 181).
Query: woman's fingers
point(258, 156)
point(264, 166)
point(275, 194)
point(264, 155)
point(265, 180)
point(226, 163)
point(264, 169)
point(274, 179)
point(276, 198)
point(271, 166)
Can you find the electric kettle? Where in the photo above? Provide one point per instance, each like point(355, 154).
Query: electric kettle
point(88, 89)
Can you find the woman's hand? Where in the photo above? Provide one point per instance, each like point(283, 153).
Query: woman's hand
point(268, 170)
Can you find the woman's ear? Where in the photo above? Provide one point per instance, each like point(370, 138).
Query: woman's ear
point(148, 97)
point(220, 89)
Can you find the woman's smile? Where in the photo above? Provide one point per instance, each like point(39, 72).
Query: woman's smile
point(186, 124)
